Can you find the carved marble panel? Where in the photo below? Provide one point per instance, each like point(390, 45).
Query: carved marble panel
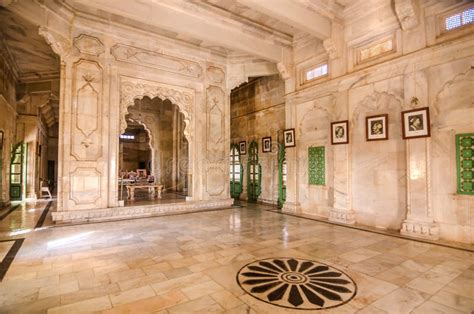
point(215, 121)
point(84, 185)
point(155, 60)
point(86, 126)
point(375, 50)
point(215, 75)
point(216, 179)
point(89, 45)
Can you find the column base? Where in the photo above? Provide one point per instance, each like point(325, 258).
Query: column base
point(420, 229)
point(342, 216)
point(291, 207)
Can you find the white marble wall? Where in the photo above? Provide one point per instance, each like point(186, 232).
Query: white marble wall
point(407, 185)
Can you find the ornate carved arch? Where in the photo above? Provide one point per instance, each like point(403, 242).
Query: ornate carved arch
point(131, 89)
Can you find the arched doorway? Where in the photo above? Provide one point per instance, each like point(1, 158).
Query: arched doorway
point(282, 175)
point(163, 126)
point(254, 173)
point(236, 172)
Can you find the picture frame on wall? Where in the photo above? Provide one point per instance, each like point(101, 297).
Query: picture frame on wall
point(243, 147)
point(416, 123)
point(266, 144)
point(376, 127)
point(289, 137)
point(340, 132)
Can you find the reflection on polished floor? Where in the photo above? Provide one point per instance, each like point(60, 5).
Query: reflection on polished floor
point(142, 197)
point(189, 262)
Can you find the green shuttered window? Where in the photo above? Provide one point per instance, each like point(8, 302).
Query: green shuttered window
point(316, 166)
point(465, 163)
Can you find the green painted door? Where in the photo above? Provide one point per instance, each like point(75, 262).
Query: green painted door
point(254, 173)
point(236, 172)
point(17, 172)
point(282, 172)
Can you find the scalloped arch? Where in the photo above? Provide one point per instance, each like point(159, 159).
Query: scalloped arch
point(137, 89)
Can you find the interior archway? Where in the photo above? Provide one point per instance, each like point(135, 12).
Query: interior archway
point(164, 126)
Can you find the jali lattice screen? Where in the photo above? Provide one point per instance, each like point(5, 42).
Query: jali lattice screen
point(316, 165)
point(465, 163)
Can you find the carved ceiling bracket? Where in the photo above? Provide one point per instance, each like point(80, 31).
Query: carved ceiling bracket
point(285, 70)
point(137, 89)
point(236, 76)
point(406, 13)
point(60, 45)
point(334, 44)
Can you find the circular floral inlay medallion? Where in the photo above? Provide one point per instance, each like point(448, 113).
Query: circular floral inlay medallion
point(296, 283)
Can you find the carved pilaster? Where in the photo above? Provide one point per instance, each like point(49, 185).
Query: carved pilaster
point(342, 209)
point(419, 221)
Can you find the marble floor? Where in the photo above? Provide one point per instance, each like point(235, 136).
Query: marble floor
point(192, 263)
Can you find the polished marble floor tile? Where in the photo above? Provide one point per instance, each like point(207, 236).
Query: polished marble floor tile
point(189, 263)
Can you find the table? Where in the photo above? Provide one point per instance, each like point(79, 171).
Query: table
point(156, 189)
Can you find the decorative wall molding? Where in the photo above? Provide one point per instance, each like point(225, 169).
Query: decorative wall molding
point(89, 45)
point(118, 213)
point(156, 60)
point(85, 185)
point(215, 121)
point(216, 75)
point(131, 89)
point(419, 229)
point(86, 118)
point(342, 216)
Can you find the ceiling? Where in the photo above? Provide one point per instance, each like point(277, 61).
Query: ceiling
point(262, 29)
point(32, 56)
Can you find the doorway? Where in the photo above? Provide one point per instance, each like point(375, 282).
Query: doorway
point(236, 172)
point(157, 127)
point(254, 173)
point(18, 172)
point(282, 175)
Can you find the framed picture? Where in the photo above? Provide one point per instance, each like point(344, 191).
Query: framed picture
point(377, 127)
point(416, 123)
point(289, 137)
point(243, 147)
point(340, 132)
point(266, 144)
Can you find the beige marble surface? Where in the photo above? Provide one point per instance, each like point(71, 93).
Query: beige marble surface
point(188, 263)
